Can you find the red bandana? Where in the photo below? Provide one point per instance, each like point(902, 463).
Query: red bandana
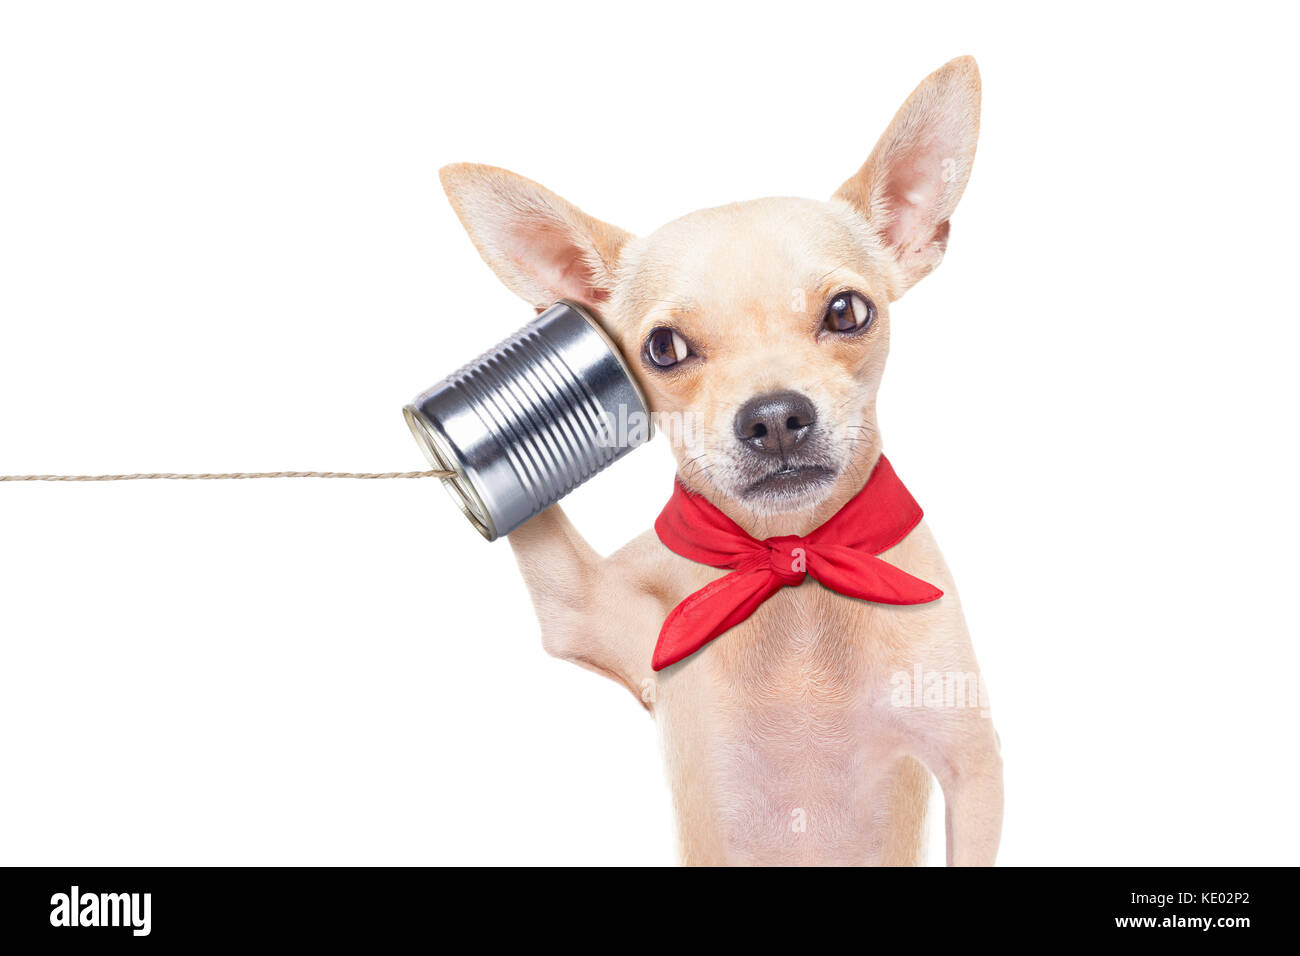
point(840, 554)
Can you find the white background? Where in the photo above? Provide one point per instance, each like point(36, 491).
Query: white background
point(223, 247)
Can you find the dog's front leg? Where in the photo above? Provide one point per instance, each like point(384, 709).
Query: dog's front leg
point(584, 603)
point(964, 755)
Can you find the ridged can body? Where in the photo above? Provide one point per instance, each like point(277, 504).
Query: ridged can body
point(531, 419)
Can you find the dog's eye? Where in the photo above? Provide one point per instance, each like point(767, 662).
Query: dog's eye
point(666, 347)
point(849, 312)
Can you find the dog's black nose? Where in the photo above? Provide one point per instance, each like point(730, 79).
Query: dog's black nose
point(775, 423)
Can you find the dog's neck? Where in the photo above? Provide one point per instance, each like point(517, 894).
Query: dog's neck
point(762, 524)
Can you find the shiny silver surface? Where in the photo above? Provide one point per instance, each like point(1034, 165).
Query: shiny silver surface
point(531, 419)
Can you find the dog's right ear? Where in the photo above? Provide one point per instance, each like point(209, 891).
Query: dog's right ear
point(542, 247)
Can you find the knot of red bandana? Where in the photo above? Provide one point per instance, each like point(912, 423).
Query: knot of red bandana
point(787, 557)
point(841, 554)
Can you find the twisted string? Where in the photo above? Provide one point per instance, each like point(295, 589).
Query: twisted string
point(234, 476)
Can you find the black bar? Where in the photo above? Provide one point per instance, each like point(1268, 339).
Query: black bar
point(375, 907)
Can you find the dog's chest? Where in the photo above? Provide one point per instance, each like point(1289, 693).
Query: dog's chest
point(801, 748)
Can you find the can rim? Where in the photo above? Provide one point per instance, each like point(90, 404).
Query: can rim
point(459, 486)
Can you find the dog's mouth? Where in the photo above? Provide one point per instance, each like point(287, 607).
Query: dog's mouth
point(789, 481)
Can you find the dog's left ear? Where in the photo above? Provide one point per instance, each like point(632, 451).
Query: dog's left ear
point(910, 185)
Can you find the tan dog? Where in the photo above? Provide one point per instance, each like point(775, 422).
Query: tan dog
point(794, 737)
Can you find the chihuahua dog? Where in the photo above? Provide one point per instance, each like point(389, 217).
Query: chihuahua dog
point(766, 323)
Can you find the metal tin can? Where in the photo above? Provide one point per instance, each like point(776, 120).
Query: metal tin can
point(531, 419)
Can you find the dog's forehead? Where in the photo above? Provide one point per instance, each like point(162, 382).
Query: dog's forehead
point(764, 247)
